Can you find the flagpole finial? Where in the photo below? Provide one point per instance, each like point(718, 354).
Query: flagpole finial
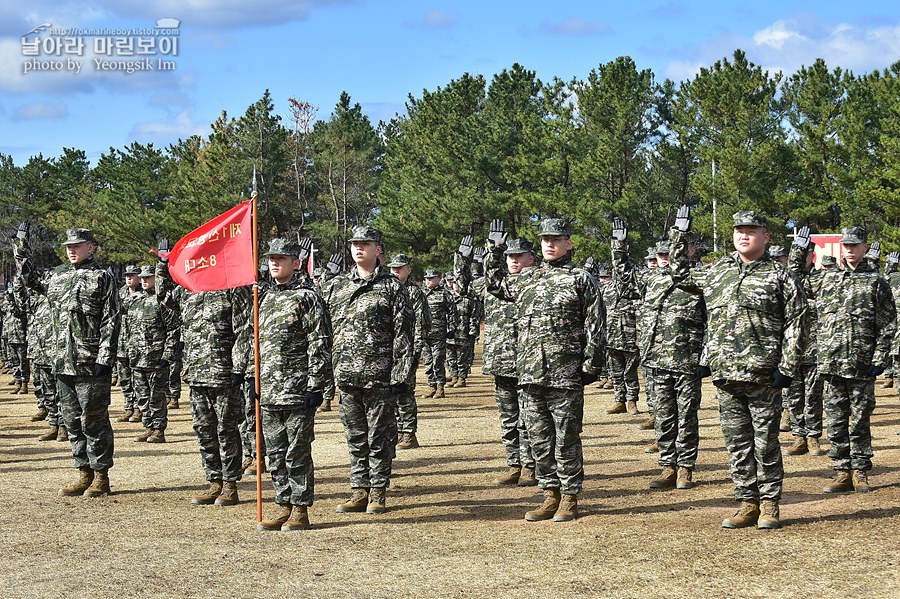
point(253, 193)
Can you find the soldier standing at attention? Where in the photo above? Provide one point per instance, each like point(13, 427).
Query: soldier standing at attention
point(442, 310)
point(755, 335)
point(40, 348)
point(373, 323)
point(16, 326)
point(84, 325)
point(128, 293)
point(295, 364)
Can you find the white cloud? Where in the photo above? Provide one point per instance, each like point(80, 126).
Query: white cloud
point(575, 26)
point(167, 131)
point(36, 111)
point(776, 34)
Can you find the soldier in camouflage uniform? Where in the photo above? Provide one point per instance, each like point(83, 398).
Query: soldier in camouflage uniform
point(857, 321)
point(84, 324)
point(373, 323)
point(150, 330)
point(621, 299)
point(214, 366)
point(558, 351)
point(173, 377)
point(829, 263)
point(604, 279)
point(295, 363)
point(442, 310)
point(461, 348)
point(756, 332)
point(407, 410)
point(17, 338)
point(128, 293)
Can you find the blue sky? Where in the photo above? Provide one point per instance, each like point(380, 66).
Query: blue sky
point(230, 51)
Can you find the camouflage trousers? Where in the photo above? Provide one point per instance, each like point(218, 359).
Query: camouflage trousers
point(371, 429)
point(84, 406)
point(247, 427)
point(434, 354)
point(123, 367)
point(215, 416)
point(289, 435)
point(173, 380)
point(150, 395)
point(513, 431)
point(554, 419)
point(459, 358)
point(407, 408)
point(804, 402)
point(849, 404)
point(45, 389)
point(677, 425)
point(623, 372)
point(649, 388)
point(21, 364)
point(749, 416)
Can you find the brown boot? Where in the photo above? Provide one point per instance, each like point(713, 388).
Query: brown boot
point(114, 381)
point(51, 434)
point(229, 494)
point(812, 443)
point(254, 466)
point(172, 404)
point(649, 424)
point(617, 408)
point(527, 478)
point(100, 486)
point(209, 496)
point(62, 434)
point(432, 392)
point(769, 515)
point(157, 436)
point(358, 501)
point(409, 441)
point(299, 520)
point(608, 384)
point(461, 382)
point(652, 448)
point(685, 478)
point(440, 391)
point(512, 476)
point(888, 383)
point(631, 407)
point(76, 489)
point(326, 406)
point(785, 424)
point(666, 479)
point(40, 415)
point(126, 416)
point(144, 435)
point(547, 509)
point(861, 481)
point(248, 461)
point(276, 522)
point(452, 382)
point(842, 483)
point(798, 448)
point(24, 390)
point(567, 510)
point(747, 515)
point(136, 416)
point(601, 382)
point(377, 496)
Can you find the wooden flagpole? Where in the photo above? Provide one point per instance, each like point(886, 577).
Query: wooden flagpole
point(256, 385)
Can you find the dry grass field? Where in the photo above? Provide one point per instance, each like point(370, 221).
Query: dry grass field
point(449, 531)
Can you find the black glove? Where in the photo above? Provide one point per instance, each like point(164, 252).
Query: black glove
point(497, 233)
point(451, 335)
point(24, 229)
point(683, 219)
point(102, 370)
point(237, 379)
point(305, 246)
point(163, 364)
point(313, 399)
point(875, 370)
point(619, 231)
point(703, 372)
point(874, 251)
point(587, 378)
point(164, 248)
point(335, 262)
point(801, 239)
point(399, 389)
point(465, 246)
point(780, 381)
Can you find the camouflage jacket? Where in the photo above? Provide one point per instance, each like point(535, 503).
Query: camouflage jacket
point(809, 280)
point(373, 323)
point(499, 357)
point(621, 299)
point(126, 298)
point(442, 309)
point(559, 314)
point(37, 323)
point(857, 321)
point(149, 331)
point(211, 322)
point(756, 314)
point(422, 314)
point(294, 343)
point(468, 323)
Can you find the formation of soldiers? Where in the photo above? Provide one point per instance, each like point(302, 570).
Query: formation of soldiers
point(785, 344)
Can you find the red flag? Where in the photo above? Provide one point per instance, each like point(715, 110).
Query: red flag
point(217, 255)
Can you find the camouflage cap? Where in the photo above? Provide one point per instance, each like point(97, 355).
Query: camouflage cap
point(432, 272)
point(282, 247)
point(662, 247)
point(554, 226)
point(851, 235)
point(147, 271)
point(776, 251)
point(398, 260)
point(365, 233)
point(449, 276)
point(132, 269)
point(518, 246)
point(750, 218)
point(79, 235)
point(603, 271)
point(651, 253)
point(829, 260)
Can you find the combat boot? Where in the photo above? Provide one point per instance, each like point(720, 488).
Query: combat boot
point(666, 479)
point(601, 382)
point(114, 380)
point(62, 434)
point(229, 494)
point(769, 515)
point(567, 510)
point(209, 496)
point(649, 424)
point(527, 478)
point(785, 424)
point(799, 447)
point(326, 406)
point(861, 481)
point(608, 384)
point(888, 383)
point(136, 416)
point(652, 448)
point(461, 382)
point(172, 404)
point(100, 486)
point(144, 435)
point(812, 443)
point(452, 382)
point(409, 441)
point(377, 496)
point(76, 489)
point(41, 414)
point(547, 509)
point(276, 522)
point(255, 466)
point(358, 501)
point(631, 407)
point(512, 476)
point(51, 434)
point(248, 461)
point(617, 408)
point(440, 391)
point(126, 416)
point(299, 520)
point(747, 515)
point(685, 478)
point(432, 392)
point(842, 483)
point(157, 436)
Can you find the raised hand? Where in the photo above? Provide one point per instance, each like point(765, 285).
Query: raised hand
point(162, 251)
point(683, 219)
point(497, 234)
point(589, 264)
point(480, 253)
point(619, 231)
point(305, 247)
point(874, 251)
point(335, 263)
point(893, 258)
point(465, 246)
point(801, 238)
point(24, 229)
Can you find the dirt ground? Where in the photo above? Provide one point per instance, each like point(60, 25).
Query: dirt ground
point(449, 531)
